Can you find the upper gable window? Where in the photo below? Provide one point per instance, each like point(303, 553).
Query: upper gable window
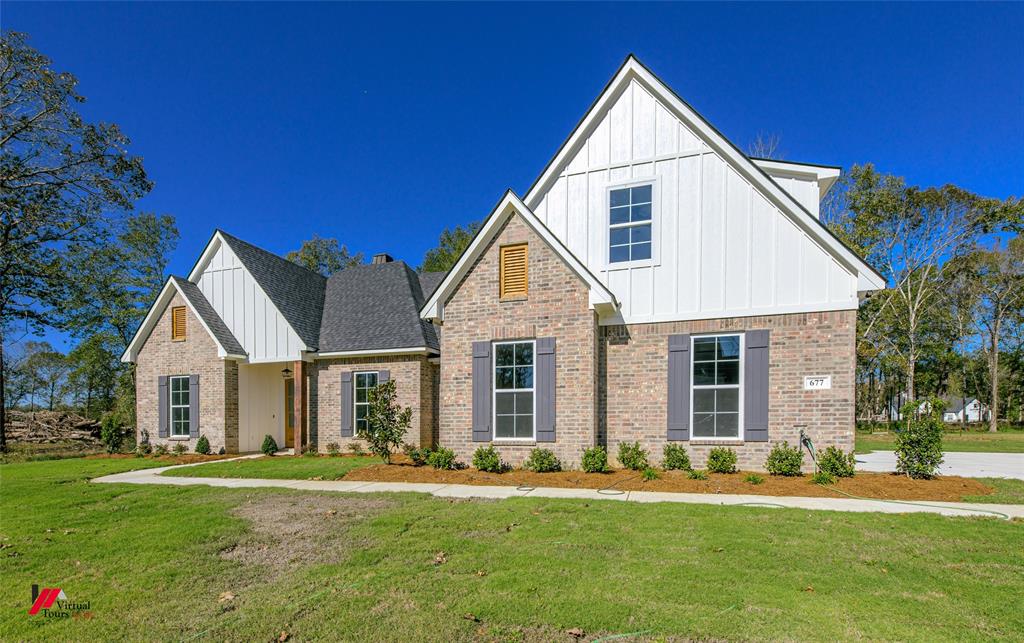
point(513, 271)
point(178, 324)
point(630, 223)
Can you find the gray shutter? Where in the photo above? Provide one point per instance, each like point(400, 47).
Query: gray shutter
point(383, 376)
point(346, 404)
point(678, 387)
point(755, 386)
point(164, 400)
point(544, 383)
point(193, 406)
point(481, 391)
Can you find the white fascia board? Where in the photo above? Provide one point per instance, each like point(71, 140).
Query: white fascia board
point(825, 175)
point(633, 69)
point(146, 328)
point(414, 350)
point(509, 205)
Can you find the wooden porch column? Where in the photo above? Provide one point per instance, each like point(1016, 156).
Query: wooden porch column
point(301, 413)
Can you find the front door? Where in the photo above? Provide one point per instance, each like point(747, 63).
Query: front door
point(289, 413)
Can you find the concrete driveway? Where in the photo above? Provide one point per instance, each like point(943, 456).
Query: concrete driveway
point(955, 463)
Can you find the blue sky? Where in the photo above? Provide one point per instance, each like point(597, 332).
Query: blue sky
point(382, 124)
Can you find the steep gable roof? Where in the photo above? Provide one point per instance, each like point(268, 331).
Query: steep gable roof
point(375, 306)
point(510, 204)
point(633, 70)
point(227, 344)
point(298, 293)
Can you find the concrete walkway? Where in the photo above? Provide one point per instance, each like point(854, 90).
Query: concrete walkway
point(152, 476)
point(955, 463)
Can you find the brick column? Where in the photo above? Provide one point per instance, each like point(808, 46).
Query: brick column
point(301, 430)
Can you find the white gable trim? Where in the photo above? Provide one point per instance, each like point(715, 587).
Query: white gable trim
point(868, 278)
point(204, 260)
point(825, 175)
point(149, 323)
point(601, 298)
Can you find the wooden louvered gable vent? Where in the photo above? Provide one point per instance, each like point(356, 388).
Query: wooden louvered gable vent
point(514, 272)
point(178, 324)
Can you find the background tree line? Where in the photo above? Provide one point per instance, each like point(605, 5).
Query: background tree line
point(76, 257)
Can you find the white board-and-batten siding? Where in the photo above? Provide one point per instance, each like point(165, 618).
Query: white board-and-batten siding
point(721, 249)
point(249, 314)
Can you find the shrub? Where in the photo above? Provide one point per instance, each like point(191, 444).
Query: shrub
point(160, 450)
point(418, 456)
point(722, 460)
point(222, 451)
point(822, 478)
point(595, 460)
point(649, 474)
point(179, 448)
point(111, 433)
point(542, 461)
point(833, 461)
point(142, 449)
point(487, 459)
point(386, 421)
point(753, 478)
point(919, 443)
point(269, 446)
point(310, 453)
point(333, 449)
point(203, 445)
point(696, 474)
point(443, 458)
point(784, 460)
point(356, 448)
point(632, 456)
point(676, 458)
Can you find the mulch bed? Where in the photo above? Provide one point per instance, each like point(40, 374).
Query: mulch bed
point(869, 485)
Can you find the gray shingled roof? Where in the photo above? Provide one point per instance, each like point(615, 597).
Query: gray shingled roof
point(298, 293)
point(376, 306)
point(429, 281)
point(202, 307)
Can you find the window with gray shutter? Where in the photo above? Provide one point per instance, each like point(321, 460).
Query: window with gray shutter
point(755, 386)
point(193, 406)
point(164, 401)
point(679, 387)
point(481, 391)
point(545, 389)
point(346, 404)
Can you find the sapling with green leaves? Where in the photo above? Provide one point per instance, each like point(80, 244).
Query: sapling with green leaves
point(386, 421)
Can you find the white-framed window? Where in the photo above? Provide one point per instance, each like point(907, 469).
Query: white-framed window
point(716, 384)
point(365, 382)
point(180, 420)
point(514, 405)
point(631, 223)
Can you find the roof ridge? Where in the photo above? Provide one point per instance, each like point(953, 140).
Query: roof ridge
point(232, 237)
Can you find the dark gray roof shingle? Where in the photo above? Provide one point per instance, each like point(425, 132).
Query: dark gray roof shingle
point(375, 306)
point(298, 293)
point(429, 281)
point(205, 310)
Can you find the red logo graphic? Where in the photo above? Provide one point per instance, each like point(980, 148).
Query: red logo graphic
point(45, 599)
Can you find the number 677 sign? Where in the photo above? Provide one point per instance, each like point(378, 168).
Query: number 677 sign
point(817, 382)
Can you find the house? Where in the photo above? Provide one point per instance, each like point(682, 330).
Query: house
point(654, 284)
point(955, 408)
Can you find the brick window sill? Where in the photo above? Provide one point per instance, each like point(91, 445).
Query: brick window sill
point(717, 443)
point(179, 438)
point(514, 443)
point(512, 298)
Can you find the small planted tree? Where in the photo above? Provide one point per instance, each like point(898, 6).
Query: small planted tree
point(386, 421)
point(919, 442)
point(203, 445)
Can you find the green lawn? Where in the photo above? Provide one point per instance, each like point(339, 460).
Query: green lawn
point(1004, 441)
point(1007, 492)
point(154, 562)
point(280, 467)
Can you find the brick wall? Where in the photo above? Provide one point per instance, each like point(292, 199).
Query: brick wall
point(557, 306)
point(633, 367)
point(414, 386)
point(218, 381)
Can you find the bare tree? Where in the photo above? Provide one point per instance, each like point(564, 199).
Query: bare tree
point(765, 146)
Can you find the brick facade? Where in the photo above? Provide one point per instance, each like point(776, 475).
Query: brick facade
point(557, 305)
point(415, 385)
point(218, 381)
point(633, 370)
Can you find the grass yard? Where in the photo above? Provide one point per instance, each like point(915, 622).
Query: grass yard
point(198, 563)
point(280, 467)
point(1002, 442)
point(1007, 492)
